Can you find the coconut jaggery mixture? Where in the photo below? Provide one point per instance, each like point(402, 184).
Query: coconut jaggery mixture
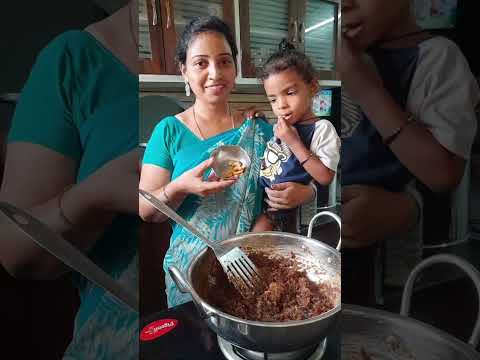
point(235, 168)
point(288, 293)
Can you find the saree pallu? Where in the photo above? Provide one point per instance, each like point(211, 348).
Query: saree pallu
point(221, 215)
point(111, 331)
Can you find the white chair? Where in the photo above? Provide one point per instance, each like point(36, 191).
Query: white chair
point(459, 231)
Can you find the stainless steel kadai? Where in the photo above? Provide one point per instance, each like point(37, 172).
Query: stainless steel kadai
point(322, 264)
point(378, 335)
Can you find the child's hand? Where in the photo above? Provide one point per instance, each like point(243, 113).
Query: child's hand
point(359, 75)
point(286, 132)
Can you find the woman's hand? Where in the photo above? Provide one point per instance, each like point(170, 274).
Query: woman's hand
point(287, 133)
point(157, 181)
point(86, 208)
point(288, 195)
point(112, 189)
point(371, 214)
point(251, 112)
point(193, 181)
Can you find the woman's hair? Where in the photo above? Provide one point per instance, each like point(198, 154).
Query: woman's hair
point(287, 57)
point(201, 25)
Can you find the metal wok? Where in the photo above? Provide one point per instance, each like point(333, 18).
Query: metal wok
point(380, 335)
point(322, 264)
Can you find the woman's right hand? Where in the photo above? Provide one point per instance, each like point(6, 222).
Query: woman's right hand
point(112, 189)
point(252, 112)
point(157, 181)
point(193, 181)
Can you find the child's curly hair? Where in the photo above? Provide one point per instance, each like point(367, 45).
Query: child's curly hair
point(287, 57)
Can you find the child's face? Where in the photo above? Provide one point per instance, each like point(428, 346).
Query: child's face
point(368, 21)
point(290, 96)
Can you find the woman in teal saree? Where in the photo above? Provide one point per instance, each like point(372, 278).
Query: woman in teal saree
point(176, 164)
point(242, 201)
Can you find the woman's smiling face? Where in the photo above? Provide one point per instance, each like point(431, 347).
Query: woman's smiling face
point(210, 67)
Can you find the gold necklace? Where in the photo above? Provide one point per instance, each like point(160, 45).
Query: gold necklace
point(198, 127)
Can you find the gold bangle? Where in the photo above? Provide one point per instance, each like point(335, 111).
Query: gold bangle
point(60, 208)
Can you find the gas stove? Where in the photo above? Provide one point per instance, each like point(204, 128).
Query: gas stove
point(180, 333)
point(232, 352)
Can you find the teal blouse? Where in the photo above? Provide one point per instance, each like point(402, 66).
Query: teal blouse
point(82, 102)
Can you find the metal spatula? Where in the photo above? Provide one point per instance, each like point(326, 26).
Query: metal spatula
point(67, 253)
point(241, 271)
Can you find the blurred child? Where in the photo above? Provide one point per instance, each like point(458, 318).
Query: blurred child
point(413, 130)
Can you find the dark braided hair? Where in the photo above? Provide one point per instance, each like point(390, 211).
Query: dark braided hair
point(201, 25)
point(287, 57)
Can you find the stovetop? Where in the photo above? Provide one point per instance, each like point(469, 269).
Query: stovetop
point(180, 334)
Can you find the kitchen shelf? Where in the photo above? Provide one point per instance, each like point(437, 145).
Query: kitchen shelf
point(175, 82)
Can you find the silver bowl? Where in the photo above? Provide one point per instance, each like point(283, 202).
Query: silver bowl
point(225, 153)
point(268, 336)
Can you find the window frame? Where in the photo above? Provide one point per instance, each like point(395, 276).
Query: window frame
point(169, 34)
point(323, 74)
point(296, 16)
point(155, 65)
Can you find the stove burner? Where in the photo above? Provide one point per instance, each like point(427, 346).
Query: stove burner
point(232, 352)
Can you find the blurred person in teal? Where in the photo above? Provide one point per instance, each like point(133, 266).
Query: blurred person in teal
point(75, 129)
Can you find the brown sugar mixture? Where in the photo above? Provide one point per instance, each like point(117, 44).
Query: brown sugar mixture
point(288, 293)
